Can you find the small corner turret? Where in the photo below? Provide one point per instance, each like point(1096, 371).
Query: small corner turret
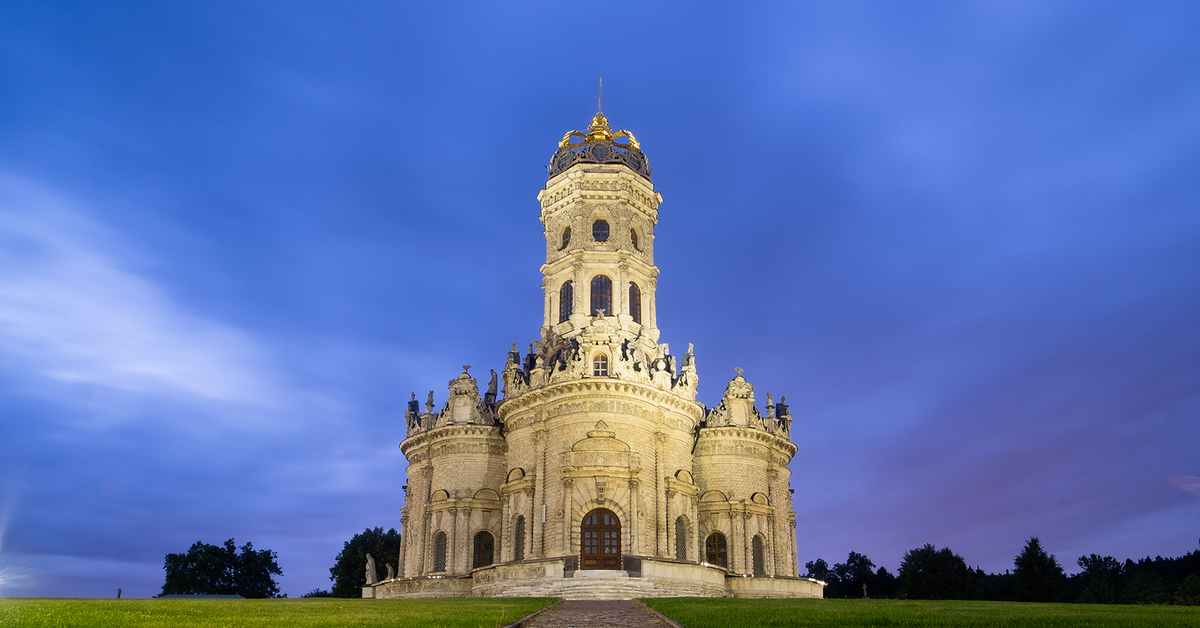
point(737, 409)
point(464, 406)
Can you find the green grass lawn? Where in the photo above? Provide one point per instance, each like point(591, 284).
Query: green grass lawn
point(303, 613)
point(730, 613)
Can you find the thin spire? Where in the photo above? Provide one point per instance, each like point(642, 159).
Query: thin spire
point(600, 96)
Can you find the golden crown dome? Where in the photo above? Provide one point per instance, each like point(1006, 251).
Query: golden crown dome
point(599, 146)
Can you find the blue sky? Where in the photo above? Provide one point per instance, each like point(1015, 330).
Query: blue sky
point(962, 238)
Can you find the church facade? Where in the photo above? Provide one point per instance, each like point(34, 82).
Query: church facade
point(586, 468)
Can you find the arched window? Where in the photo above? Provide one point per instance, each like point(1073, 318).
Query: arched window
point(600, 231)
point(756, 551)
point(600, 366)
point(439, 551)
point(519, 538)
point(635, 303)
point(485, 543)
point(714, 550)
point(681, 537)
point(601, 295)
point(633, 238)
point(566, 302)
point(566, 238)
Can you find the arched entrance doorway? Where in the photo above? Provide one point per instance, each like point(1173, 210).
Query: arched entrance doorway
point(600, 540)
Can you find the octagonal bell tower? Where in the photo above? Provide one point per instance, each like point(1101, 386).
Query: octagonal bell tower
point(599, 218)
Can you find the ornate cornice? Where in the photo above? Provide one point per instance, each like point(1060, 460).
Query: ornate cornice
point(564, 392)
point(445, 433)
point(734, 440)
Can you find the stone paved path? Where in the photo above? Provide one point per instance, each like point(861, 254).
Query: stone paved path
point(597, 614)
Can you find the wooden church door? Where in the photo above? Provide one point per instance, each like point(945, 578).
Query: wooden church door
point(600, 540)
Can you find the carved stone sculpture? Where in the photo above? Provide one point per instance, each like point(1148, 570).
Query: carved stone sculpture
point(372, 576)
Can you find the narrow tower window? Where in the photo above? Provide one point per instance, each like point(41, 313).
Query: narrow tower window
point(681, 537)
point(600, 366)
point(566, 302)
point(634, 239)
point(519, 538)
point(635, 303)
point(566, 239)
point(756, 552)
point(484, 544)
point(601, 295)
point(600, 231)
point(439, 551)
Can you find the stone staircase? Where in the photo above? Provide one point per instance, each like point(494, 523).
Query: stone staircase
point(597, 584)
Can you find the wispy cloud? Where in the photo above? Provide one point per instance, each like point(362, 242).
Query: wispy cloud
point(71, 310)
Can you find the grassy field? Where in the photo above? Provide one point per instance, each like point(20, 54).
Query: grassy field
point(730, 613)
point(302, 613)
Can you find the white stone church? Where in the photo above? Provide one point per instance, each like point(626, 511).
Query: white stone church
point(595, 473)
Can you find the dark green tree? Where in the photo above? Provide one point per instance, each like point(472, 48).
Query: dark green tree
point(1039, 577)
point(996, 587)
point(927, 573)
point(1146, 588)
point(350, 567)
point(818, 569)
point(851, 575)
point(1188, 593)
point(1101, 577)
point(885, 584)
point(221, 570)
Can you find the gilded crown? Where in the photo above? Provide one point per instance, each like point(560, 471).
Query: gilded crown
point(599, 146)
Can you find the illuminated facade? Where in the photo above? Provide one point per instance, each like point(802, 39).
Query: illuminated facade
point(593, 472)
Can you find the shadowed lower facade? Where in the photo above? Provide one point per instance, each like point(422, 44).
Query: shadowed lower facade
point(587, 469)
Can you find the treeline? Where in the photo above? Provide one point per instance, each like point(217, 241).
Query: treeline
point(221, 570)
point(928, 573)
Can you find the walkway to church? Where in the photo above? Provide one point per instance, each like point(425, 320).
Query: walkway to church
point(597, 614)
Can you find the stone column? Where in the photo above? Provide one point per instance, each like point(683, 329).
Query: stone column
point(736, 549)
point(660, 510)
point(537, 550)
point(568, 515)
point(772, 551)
point(467, 543)
point(651, 304)
point(633, 516)
point(423, 543)
point(404, 534)
point(772, 556)
point(747, 554)
point(670, 525)
point(621, 299)
point(792, 554)
point(529, 523)
point(452, 541)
